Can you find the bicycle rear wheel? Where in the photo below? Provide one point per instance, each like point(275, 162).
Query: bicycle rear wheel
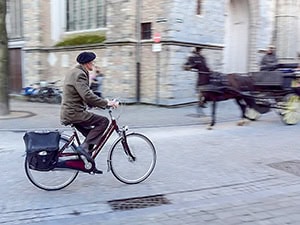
point(57, 178)
point(128, 169)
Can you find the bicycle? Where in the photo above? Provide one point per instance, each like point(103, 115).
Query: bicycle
point(131, 159)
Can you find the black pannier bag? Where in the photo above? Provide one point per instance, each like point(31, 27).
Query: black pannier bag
point(42, 149)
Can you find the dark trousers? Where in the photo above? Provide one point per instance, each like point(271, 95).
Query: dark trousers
point(92, 129)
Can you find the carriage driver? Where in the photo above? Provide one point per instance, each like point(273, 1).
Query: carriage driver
point(201, 66)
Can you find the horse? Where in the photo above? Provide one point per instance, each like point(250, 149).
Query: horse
point(221, 87)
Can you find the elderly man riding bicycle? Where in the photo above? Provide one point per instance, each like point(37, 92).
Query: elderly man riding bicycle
point(77, 95)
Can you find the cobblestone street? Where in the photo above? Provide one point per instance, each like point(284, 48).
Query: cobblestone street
point(231, 175)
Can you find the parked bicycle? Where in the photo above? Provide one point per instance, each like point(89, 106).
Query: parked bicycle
point(43, 91)
point(131, 158)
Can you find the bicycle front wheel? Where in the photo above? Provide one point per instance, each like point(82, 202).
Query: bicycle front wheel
point(135, 166)
point(57, 178)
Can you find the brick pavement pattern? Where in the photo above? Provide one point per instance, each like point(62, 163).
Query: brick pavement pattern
point(219, 177)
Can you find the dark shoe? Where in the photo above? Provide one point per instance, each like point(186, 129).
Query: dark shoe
point(96, 171)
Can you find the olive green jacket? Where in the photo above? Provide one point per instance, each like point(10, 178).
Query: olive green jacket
point(76, 96)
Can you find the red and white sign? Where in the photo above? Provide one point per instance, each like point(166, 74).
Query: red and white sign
point(156, 37)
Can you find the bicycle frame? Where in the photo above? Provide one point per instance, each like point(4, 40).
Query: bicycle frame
point(113, 126)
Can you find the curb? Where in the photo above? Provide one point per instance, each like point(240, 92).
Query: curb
point(17, 114)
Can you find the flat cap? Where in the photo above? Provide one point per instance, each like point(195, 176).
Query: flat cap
point(85, 57)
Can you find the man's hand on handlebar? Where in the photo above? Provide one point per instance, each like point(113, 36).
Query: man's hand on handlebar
point(113, 103)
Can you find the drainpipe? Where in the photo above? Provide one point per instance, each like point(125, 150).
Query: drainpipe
point(138, 49)
point(275, 27)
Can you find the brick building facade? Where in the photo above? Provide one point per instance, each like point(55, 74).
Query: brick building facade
point(231, 32)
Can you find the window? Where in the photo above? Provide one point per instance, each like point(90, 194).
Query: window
point(199, 7)
point(146, 32)
point(85, 15)
point(14, 19)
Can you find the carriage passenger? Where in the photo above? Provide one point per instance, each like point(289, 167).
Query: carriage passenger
point(269, 61)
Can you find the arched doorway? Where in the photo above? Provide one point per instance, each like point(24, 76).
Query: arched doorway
point(236, 52)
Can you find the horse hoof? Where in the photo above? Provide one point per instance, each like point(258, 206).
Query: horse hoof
point(242, 123)
point(209, 128)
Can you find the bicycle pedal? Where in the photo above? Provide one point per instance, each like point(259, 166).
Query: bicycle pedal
point(87, 165)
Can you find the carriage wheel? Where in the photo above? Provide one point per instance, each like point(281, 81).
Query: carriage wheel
point(252, 114)
point(291, 112)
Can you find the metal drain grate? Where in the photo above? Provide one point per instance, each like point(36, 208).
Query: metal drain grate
point(138, 203)
point(292, 167)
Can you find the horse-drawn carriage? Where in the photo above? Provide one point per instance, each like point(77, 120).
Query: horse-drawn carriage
point(278, 90)
point(256, 92)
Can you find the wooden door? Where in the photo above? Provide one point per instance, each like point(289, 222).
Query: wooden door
point(15, 70)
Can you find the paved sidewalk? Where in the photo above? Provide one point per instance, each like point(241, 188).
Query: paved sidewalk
point(30, 115)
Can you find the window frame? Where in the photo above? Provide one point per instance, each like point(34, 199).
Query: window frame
point(14, 21)
point(79, 15)
point(146, 31)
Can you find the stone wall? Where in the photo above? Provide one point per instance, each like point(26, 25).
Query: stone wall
point(287, 21)
point(163, 81)
point(121, 20)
